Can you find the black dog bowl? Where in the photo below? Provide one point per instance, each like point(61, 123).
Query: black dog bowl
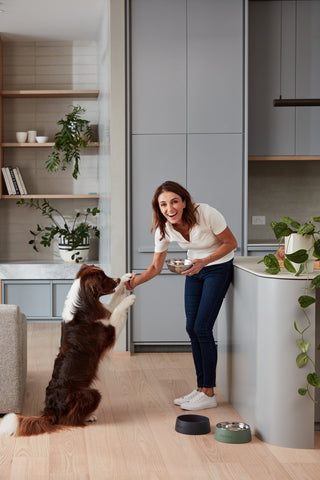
point(193, 424)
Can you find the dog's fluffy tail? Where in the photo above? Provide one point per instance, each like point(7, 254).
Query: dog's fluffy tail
point(17, 425)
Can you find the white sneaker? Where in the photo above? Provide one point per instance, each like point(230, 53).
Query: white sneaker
point(200, 402)
point(186, 398)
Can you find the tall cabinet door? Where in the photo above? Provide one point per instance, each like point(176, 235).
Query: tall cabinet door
point(186, 126)
point(218, 158)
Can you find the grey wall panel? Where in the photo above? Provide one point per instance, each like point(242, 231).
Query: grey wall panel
point(215, 66)
point(155, 158)
point(159, 311)
point(215, 175)
point(158, 66)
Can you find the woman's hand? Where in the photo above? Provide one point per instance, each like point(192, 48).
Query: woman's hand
point(131, 283)
point(197, 265)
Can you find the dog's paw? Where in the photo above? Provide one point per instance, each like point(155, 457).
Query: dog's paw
point(126, 277)
point(128, 301)
point(92, 418)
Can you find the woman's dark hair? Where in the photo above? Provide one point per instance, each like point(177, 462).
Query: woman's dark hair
point(188, 216)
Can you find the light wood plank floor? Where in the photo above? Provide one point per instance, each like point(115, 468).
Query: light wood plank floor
point(135, 436)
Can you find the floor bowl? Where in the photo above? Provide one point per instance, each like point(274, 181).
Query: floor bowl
point(232, 432)
point(193, 424)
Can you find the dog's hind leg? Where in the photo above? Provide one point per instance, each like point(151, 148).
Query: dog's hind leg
point(119, 316)
point(82, 404)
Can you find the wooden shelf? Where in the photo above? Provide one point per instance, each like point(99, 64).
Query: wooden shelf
point(281, 158)
point(55, 195)
point(50, 93)
point(38, 145)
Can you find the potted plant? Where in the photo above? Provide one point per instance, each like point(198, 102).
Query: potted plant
point(74, 236)
point(74, 134)
point(298, 262)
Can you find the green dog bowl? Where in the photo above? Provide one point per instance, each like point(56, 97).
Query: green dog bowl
point(232, 432)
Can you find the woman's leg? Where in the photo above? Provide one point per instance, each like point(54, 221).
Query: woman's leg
point(204, 295)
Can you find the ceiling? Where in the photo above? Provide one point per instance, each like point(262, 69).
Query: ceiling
point(51, 19)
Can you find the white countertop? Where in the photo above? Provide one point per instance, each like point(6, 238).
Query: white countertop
point(251, 265)
point(39, 270)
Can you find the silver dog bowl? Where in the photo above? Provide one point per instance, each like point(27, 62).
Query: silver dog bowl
point(178, 265)
point(232, 432)
point(193, 424)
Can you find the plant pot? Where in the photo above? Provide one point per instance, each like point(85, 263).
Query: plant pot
point(296, 242)
point(78, 255)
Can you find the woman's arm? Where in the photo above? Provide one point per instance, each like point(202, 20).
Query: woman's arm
point(152, 271)
point(228, 243)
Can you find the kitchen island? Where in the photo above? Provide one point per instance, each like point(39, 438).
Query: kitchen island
point(257, 372)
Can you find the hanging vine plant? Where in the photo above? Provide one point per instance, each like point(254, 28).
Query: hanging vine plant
point(286, 227)
point(75, 134)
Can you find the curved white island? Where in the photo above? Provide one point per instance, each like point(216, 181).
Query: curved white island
point(257, 371)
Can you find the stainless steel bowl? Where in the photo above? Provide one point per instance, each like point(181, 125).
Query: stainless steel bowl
point(232, 432)
point(178, 265)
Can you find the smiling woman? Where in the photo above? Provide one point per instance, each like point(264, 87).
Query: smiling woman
point(202, 231)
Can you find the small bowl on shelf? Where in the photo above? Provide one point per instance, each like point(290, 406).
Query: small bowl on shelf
point(178, 265)
point(42, 139)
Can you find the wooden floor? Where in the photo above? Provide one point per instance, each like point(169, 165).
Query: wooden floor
point(135, 437)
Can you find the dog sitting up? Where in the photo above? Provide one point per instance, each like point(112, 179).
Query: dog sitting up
point(89, 329)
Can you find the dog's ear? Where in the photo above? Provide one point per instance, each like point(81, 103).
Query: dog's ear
point(83, 267)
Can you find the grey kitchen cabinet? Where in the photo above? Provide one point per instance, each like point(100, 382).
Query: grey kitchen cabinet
point(216, 156)
point(186, 124)
point(307, 76)
point(271, 73)
point(158, 58)
point(163, 314)
point(214, 53)
point(155, 158)
point(37, 299)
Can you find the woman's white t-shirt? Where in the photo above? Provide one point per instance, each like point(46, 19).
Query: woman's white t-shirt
point(203, 239)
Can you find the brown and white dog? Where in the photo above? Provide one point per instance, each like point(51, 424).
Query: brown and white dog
point(89, 329)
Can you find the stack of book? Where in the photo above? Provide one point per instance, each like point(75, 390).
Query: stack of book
point(13, 180)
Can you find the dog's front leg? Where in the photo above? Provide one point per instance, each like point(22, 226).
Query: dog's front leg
point(119, 293)
point(119, 316)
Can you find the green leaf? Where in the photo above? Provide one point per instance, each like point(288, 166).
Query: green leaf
point(306, 228)
point(281, 229)
point(303, 345)
point(272, 264)
point(291, 222)
point(300, 256)
point(302, 391)
point(316, 251)
point(302, 360)
point(315, 219)
point(288, 266)
point(296, 327)
point(306, 300)
point(301, 268)
point(316, 281)
point(313, 379)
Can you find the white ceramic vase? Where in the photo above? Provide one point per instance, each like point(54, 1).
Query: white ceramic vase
point(66, 254)
point(296, 242)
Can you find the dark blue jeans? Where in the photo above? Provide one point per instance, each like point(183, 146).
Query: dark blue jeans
point(204, 294)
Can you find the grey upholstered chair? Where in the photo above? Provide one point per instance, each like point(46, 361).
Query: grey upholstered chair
point(13, 358)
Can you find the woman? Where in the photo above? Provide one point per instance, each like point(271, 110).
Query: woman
point(203, 231)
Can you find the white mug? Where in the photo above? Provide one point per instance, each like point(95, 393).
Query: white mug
point(21, 137)
point(32, 136)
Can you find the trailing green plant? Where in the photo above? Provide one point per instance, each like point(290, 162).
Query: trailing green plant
point(74, 134)
point(283, 229)
point(74, 231)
